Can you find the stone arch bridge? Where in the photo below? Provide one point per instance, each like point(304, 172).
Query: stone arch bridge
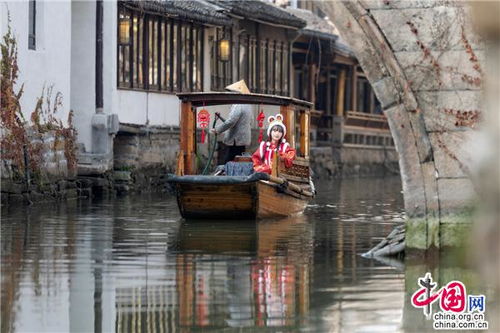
point(425, 64)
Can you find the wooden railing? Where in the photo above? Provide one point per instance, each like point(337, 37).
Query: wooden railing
point(361, 119)
point(355, 129)
point(354, 137)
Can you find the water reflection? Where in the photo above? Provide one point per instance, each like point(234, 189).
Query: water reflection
point(131, 264)
point(264, 271)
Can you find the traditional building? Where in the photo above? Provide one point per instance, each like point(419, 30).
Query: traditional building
point(261, 42)
point(347, 119)
point(119, 64)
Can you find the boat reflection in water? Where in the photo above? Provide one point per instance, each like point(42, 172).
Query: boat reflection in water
point(230, 274)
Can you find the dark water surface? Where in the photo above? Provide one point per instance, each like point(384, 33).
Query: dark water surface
point(131, 264)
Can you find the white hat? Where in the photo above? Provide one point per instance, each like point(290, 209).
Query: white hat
point(276, 121)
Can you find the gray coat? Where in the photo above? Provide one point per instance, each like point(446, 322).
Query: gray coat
point(237, 126)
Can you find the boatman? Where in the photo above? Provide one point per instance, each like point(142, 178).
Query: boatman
point(237, 125)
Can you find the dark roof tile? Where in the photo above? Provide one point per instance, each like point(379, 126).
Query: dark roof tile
point(261, 11)
point(198, 11)
point(316, 26)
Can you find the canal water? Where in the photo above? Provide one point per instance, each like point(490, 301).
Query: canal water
point(131, 264)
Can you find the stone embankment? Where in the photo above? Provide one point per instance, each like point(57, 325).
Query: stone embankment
point(331, 163)
point(49, 177)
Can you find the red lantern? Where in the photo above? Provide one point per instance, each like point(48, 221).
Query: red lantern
point(203, 121)
point(260, 121)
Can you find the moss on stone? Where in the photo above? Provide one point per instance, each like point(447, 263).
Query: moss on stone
point(416, 234)
point(455, 234)
point(452, 230)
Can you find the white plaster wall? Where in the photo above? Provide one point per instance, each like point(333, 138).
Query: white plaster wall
point(163, 109)
point(138, 107)
point(49, 64)
point(131, 106)
point(83, 29)
point(109, 70)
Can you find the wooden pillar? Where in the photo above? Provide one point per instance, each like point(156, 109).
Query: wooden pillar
point(188, 137)
point(328, 109)
point(354, 89)
point(341, 93)
point(304, 133)
point(372, 102)
point(275, 165)
point(287, 111)
point(312, 84)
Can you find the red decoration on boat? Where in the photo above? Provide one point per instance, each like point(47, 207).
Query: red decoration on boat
point(203, 121)
point(260, 120)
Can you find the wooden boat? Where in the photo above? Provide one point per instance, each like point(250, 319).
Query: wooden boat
point(283, 193)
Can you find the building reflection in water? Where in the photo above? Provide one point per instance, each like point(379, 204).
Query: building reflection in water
point(227, 274)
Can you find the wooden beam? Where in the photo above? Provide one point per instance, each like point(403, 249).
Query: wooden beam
point(188, 137)
point(287, 111)
point(341, 93)
point(304, 133)
point(340, 59)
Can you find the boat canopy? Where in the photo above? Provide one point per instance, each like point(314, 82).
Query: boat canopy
point(296, 115)
point(198, 99)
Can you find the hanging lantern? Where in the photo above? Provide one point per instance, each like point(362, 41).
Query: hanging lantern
point(224, 50)
point(124, 29)
point(260, 122)
point(203, 121)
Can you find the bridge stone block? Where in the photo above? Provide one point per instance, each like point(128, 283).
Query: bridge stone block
point(453, 153)
point(356, 9)
point(359, 42)
point(443, 109)
point(386, 60)
point(423, 143)
point(386, 92)
point(458, 193)
point(437, 28)
point(453, 71)
point(422, 234)
point(431, 189)
point(402, 4)
point(409, 163)
point(455, 234)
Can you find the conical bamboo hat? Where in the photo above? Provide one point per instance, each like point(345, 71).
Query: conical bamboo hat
point(239, 86)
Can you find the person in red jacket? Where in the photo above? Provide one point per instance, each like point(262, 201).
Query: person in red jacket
point(263, 157)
